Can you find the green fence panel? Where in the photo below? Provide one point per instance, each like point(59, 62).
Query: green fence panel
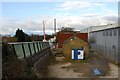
point(0, 44)
point(39, 46)
point(41, 43)
point(27, 51)
point(19, 50)
point(47, 44)
point(32, 48)
point(43, 46)
point(36, 49)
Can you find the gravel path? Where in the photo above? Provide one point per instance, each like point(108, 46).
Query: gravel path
point(113, 72)
point(59, 71)
point(63, 69)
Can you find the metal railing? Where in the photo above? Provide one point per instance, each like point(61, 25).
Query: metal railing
point(33, 53)
point(26, 49)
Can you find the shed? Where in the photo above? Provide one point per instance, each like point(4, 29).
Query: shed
point(74, 42)
point(63, 36)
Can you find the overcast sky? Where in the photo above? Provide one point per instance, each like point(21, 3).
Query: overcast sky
point(76, 14)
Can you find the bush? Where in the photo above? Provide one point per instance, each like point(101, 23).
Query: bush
point(12, 67)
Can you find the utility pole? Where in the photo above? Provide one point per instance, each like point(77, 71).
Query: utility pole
point(55, 32)
point(55, 26)
point(44, 31)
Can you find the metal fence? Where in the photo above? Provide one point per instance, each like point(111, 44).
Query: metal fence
point(26, 49)
point(108, 52)
point(33, 54)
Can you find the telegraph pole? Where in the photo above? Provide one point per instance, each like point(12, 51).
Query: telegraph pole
point(55, 32)
point(55, 26)
point(44, 31)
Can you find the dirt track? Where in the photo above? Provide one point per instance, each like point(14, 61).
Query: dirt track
point(82, 69)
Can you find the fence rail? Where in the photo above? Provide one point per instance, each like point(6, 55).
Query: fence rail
point(26, 49)
point(32, 52)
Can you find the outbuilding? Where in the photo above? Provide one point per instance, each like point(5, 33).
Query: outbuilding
point(69, 41)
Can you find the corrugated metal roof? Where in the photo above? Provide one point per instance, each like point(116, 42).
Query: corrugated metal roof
point(102, 27)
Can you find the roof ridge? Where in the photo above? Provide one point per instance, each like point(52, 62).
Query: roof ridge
point(74, 35)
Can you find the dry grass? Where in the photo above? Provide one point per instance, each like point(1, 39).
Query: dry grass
point(12, 67)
